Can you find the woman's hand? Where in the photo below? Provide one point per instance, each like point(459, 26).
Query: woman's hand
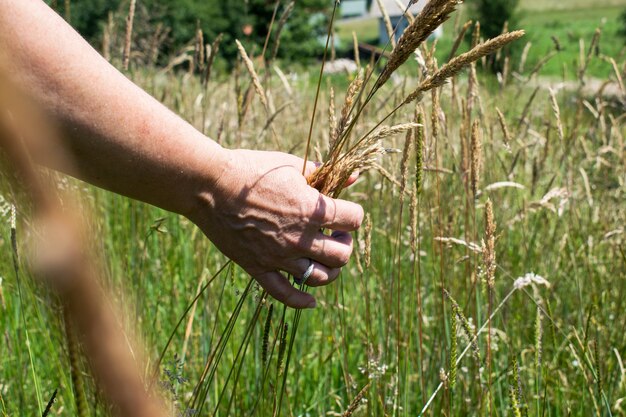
point(261, 213)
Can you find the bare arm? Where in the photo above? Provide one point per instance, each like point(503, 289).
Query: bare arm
point(255, 206)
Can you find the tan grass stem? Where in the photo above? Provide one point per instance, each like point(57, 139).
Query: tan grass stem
point(280, 26)
point(459, 39)
point(129, 34)
point(388, 26)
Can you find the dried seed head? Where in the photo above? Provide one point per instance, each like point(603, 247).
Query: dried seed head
point(129, 34)
point(453, 350)
point(404, 165)
point(524, 57)
point(198, 53)
point(332, 119)
point(386, 131)
point(357, 400)
point(280, 26)
point(476, 156)
point(465, 141)
point(557, 113)
point(434, 13)
point(505, 129)
point(13, 217)
point(419, 151)
point(489, 245)
point(255, 77)
point(330, 178)
point(465, 325)
point(538, 338)
point(454, 66)
point(346, 118)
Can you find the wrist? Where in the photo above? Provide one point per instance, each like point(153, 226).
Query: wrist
point(209, 165)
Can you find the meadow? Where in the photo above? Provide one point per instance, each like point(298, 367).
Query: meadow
point(488, 278)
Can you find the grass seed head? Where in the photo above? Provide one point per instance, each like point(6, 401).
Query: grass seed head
point(504, 127)
point(489, 250)
point(404, 164)
point(465, 325)
point(332, 119)
point(557, 113)
point(356, 401)
point(433, 15)
point(256, 81)
point(419, 151)
point(266, 333)
point(455, 65)
point(476, 156)
point(453, 350)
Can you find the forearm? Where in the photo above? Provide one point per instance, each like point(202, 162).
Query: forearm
point(256, 207)
point(112, 133)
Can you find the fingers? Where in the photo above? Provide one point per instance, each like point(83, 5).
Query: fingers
point(333, 251)
point(281, 289)
point(338, 214)
point(353, 177)
point(321, 274)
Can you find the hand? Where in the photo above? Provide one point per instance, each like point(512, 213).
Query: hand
point(261, 213)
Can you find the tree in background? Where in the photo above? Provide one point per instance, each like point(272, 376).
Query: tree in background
point(493, 15)
point(622, 19)
point(247, 21)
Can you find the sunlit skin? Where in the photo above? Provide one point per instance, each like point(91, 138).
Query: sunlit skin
point(256, 207)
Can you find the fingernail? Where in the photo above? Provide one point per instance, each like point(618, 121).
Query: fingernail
point(312, 304)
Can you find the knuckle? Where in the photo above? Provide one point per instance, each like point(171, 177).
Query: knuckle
point(316, 210)
point(302, 245)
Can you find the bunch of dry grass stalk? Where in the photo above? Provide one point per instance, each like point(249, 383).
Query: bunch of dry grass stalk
point(361, 155)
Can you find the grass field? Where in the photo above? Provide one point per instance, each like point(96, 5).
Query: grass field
point(546, 339)
point(538, 5)
point(567, 21)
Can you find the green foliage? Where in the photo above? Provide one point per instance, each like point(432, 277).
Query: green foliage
point(622, 19)
point(299, 40)
point(493, 15)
